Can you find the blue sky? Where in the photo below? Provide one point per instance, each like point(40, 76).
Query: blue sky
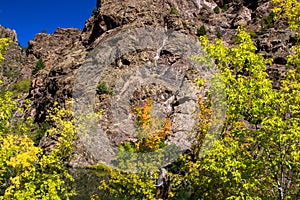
point(29, 17)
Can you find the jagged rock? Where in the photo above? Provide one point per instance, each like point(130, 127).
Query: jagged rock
point(8, 33)
point(276, 44)
point(12, 68)
point(263, 10)
point(243, 17)
point(51, 47)
point(174, 22)
point(64, 51)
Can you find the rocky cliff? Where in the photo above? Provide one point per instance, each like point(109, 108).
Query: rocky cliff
point(12, 69)
point(64, 51)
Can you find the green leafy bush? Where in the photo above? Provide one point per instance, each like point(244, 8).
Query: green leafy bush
point(225, 8)
point(201, 31)
point(38, 66)
point(217, 10)
point(267, 22)
point(26, 171)
point(102, 88)
point(21, 86)
point(174, 11)
point(39, 132)
point(257, 156)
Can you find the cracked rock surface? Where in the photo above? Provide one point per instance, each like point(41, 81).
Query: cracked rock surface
point(67, 50)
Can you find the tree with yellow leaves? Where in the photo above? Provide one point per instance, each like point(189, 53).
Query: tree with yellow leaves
point(26, 171)
point(258, 153)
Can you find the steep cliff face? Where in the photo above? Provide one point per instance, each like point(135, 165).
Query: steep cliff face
point(13, 67)
point(6, 32)
point(64, 51)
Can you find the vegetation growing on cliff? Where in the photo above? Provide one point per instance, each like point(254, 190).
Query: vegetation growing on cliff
point(257, 156)
point(26, 171)
point(38, 66)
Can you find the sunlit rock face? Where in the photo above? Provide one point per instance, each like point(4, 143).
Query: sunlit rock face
point(13, 68)
point(64, 52)
point(8, 33)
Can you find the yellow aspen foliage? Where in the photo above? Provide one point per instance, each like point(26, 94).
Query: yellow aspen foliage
point(258, 153)
point(26, 171)
point(4, 42)
point(257, 156)
point(144, 114)
point(289, 9)
point(63, 128)
point(152, 131)
point(130, 185)
point(203, 117)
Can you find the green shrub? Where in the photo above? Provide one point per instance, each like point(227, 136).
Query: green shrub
point(201, 31)
point(219, 35)
point(88, 53)
point(225, 8)
point(252, 33)
point(103, 89)
point(38, 66)
point(267, 22)
point(21, 86)
point(100, 168)
point(217, 10)
point(174, 11)
point(40, 132)
point(10, 72)
point(94, 11)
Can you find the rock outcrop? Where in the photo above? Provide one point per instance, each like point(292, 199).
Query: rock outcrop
point(13, 68)
point(64, 51)
point(8, 33)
